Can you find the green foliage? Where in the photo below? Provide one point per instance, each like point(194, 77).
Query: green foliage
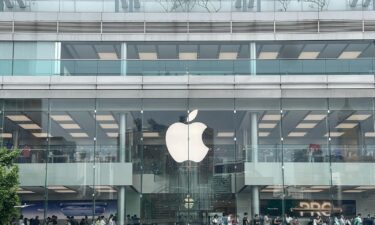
point(9, 182)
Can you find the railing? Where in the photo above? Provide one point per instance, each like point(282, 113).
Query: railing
point(40, 67)
point(303, 154)
point(153, 6)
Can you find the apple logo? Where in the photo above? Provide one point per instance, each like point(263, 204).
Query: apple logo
point(184, 141)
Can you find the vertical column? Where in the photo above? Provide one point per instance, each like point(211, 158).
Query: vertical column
point(254, 156)
point(123, 58)
point(259, 5)
point(253, 57)
point(122, 159)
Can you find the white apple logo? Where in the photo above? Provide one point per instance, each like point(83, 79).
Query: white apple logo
point(184, 141)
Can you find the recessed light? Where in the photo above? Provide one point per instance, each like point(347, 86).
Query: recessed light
point(366, 187)
point(79, 135)
point(150, 134)
point(271, 190)
point(65, 191)
point(225, 134)
point(370, 134)
point(275, 186)
point(296, 134)
point(267, 125)
point(6, 135)
point(320, 187)
point(31, 126)
point(346, 125)
point(106, 191)
point(57, 188)
point(308, 55)
point(268, 55)
point(228, 55)
point(271, 117)
point(101, 187)
point(353, 191)
point(70, 126)
point(312, 191)
point(18, 118)
point(306, 125)
point(107, 55)
point(112, 134)
point(358, 117)
point(41, 135)
point(350, 55)
point(188, 55)
point(148, 56)
point(263, 134)
point(25, 192)
point(108, 125)
point(104, 118)
point(334, 134)
point(315, 117)
point(61, 118)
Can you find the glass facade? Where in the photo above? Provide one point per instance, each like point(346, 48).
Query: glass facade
point(181, 161)
point(163, 6)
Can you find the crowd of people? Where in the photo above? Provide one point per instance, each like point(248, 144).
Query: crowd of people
point(289, 220)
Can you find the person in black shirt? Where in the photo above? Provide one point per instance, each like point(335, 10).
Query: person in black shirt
point(245, 220)
point(256, 220)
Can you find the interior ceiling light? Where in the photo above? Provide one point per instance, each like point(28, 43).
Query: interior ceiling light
point(315, 117)
point(275, 117)
point(312, 191)
point(188, 55)
point(25, 192)
point(108, 125)
point(308, 55)
point(79, 135)
point(334, 134)
point(70, 126)
point(228, 55)
point(263, 134)
point(107, 190)
point(346, 125)
point(41, 135)
point(150, 134)
point(296, 134)
point(268, 55)
point(61, 118)
point(358, 117)
point(366, 187)
point(112, 134)
point(6, 135)
point(18, 118)
point(107, 55)
point(57, 188)
point(320, 187)
point(31, 126)
point(267, 125)
point(65, 191)
point(353, 191)
point(349, 54)
point(104, 118)
point(370, 134)
point(306, 125)
point(148, 56)
point(225, 134)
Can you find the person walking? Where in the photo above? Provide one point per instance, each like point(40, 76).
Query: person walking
point(358, 220)
point(245, 219)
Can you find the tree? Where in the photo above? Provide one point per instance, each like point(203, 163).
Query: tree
point(9, 181)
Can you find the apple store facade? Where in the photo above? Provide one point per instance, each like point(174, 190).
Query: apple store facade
point(183, 160)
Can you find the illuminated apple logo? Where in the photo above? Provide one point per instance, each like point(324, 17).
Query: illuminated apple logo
point(184, 141)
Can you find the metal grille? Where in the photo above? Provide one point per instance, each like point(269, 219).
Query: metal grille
point(300, 27)
point(80, 27)
point(209, 27)
point(166, 27)
point(123, 27)
point(6, 27)
point(43, 27)
point(340, 26)
point(252, 27)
